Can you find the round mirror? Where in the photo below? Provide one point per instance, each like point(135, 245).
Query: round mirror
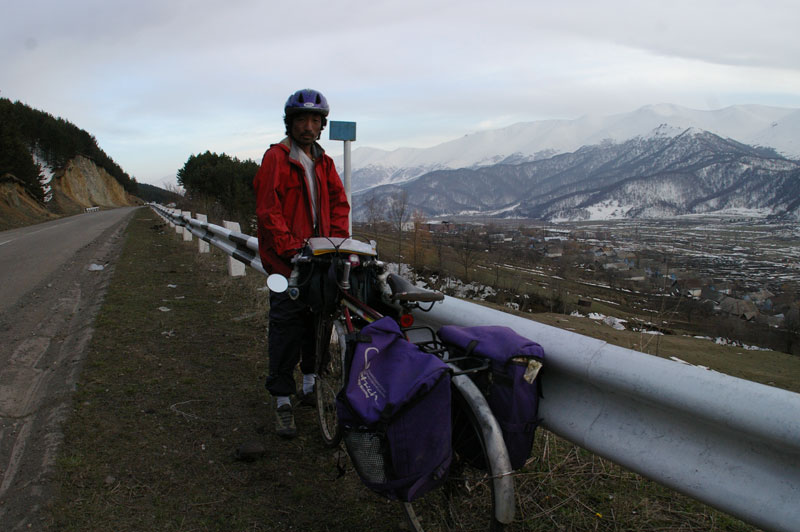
point(277, 283)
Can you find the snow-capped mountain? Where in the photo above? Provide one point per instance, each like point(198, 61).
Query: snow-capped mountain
point(665, 172)
point(756, 125)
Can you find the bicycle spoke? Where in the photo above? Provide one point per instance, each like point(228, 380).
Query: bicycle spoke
point(466, 500)
point(330, 355)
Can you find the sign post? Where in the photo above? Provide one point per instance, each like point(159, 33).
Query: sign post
point(345, 131)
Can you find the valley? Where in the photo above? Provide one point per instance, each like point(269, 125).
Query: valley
point(736, 278)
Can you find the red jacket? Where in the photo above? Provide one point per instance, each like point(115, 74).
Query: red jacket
point(283, 205)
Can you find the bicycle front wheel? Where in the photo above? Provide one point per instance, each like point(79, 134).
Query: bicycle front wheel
point(331, 349)
point(466, 501)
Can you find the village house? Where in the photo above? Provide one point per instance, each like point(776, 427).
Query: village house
point(723, 287)
point(553, 250)
point(784, 302)
point(440, 226)
point(739, 307)
point(762, 299)
point(690, 287)
point(709, 294)
point(636, 275)
point(604, 251)
point(618, 266)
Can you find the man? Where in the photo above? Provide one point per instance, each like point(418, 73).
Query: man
point(298, 195)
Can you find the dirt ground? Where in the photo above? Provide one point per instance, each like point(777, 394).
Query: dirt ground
point(43, 340)
point(167, 390)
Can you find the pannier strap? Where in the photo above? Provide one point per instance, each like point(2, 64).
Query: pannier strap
point(470, 348)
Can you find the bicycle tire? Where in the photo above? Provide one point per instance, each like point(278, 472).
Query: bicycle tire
point(331, 349)
point(466, 501)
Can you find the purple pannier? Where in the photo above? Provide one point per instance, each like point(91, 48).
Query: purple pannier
point(511, 387)
point(395, 413)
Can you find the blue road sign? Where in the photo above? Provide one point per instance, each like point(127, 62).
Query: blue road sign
point(342, 130)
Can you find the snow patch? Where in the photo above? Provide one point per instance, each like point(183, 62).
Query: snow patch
point(46, 175)
point(612, 322)
point(608, 210)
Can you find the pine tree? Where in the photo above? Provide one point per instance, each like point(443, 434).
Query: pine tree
point(56, 140)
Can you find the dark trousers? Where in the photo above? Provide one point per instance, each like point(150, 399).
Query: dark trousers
point(291, 340)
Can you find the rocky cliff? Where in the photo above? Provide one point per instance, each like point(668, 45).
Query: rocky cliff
point(17, 207)
point(83, 184)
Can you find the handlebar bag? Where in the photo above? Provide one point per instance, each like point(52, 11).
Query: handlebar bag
point(317, 282)
point(511, 386)
point(395, 413)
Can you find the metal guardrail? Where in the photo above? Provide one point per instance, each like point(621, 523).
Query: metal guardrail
point(728, 442)
point(240, 246)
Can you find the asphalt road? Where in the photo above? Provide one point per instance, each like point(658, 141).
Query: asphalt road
point(49, 295)
point(31, 254)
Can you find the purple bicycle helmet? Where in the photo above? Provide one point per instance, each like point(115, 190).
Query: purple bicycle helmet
point(307, 100)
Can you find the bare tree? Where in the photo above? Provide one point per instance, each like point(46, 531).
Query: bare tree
point(175, 189)
point(439, 243)
point(374, 214)
point(420, 234)
point(792, 324)
point(467, 252)
point(398, 216)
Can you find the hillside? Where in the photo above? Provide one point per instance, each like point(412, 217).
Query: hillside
point(658, 175)
point(17, 207)
point(755, 125)
point(80, 184)
point(50, 167)
point(152, 193)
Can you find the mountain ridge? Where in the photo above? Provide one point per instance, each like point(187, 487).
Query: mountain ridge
point(655, 175)
point(775, 127)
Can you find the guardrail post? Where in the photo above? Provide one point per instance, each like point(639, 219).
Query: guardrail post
point(187, 234)
point(178, 227)
point(235, 267)
point(203, 246)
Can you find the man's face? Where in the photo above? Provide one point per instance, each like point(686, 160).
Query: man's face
point(306, 128)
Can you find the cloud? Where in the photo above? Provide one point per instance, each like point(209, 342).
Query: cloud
point(157, 81)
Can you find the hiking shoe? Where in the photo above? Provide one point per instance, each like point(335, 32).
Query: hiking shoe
point(284, 422)
point(308, 399)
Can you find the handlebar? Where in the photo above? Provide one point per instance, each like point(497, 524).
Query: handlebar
point(394, 288)
point(311, 253)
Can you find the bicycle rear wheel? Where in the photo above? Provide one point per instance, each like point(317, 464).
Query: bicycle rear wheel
point(331, 349)
point(466, 501)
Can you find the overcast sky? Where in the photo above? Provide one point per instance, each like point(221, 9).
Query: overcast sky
point(156, 81)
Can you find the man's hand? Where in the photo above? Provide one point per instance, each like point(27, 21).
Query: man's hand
point(291, 253)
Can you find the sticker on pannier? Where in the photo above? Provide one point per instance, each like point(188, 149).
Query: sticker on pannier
point(511, 387)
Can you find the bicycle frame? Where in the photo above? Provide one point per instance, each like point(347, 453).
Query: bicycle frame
point(496, 446)
point(348, 307)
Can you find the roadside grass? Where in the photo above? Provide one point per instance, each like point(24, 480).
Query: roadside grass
point(167, 396)
point(173, 385)
point(772, 368)
point(564, 487)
